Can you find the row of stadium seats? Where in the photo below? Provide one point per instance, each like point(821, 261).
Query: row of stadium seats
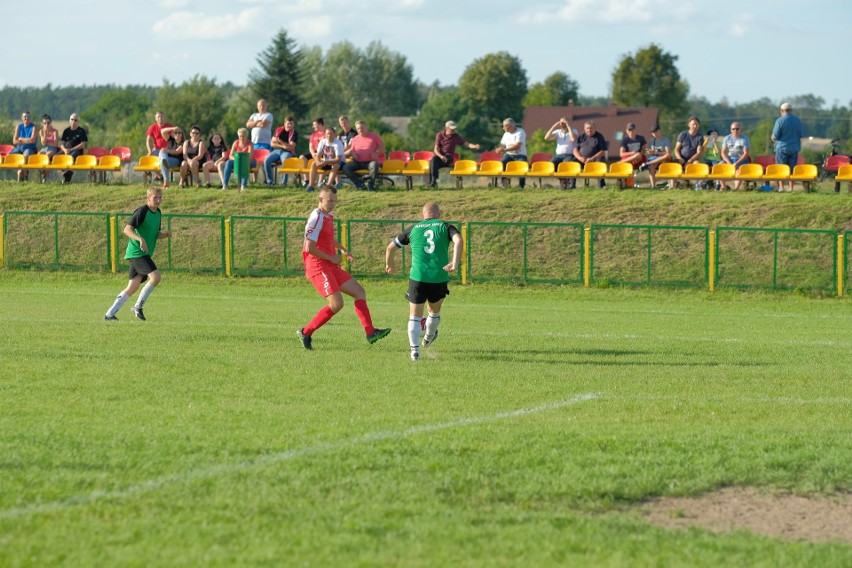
point(123, 152)
point(618, 171)
point(749, 173)
point(96, 168)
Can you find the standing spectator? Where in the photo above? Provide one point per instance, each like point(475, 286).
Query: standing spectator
point(363, 154)
point(429, 274)
point(591, 147)
point(74, 140)
point(143, 229)
point(659, 152)
point(241, 144)
point(513, 146)
point(445, 149)
point(322, 268)
point(194, 155)
point(283, 146)
point(330, 156)
point(566, 140)
point(172, 155)
point(689, 145)
point(24, 141)
point(735, 149)
point(154, 139)
point(318, 134)
point(347, 133)
point(49, 138)
point(217, 154)
point(261, 126)
point(632, 148)
point(787, 135)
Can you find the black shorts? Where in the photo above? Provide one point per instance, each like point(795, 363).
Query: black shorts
point(142, 266)
point(421, 292)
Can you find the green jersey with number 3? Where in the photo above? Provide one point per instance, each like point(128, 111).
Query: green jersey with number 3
point(430, 241)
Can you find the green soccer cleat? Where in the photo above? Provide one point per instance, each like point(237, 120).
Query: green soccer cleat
point(378, 334)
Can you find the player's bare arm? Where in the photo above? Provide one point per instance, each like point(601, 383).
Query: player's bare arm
point(458, 247)
point(131, 234)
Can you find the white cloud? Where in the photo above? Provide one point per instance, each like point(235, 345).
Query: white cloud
point(605, 11)
point(309, 29)
point(173, 4)
point(185, 25)
point(740, 27)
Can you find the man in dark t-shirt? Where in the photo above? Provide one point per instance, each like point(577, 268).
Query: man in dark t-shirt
point(74, 140)
point(591, 147)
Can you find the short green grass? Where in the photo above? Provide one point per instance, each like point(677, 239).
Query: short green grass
point(526, 436)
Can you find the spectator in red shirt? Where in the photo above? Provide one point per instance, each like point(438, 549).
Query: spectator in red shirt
point(363, 154)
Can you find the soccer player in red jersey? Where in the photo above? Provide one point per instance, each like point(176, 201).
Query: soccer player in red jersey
point(322, 268)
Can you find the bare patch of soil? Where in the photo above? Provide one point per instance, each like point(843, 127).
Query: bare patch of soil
point(784, 516)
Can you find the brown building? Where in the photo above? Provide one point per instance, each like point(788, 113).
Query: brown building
point(609, 121)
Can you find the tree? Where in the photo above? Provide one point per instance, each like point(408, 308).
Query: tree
point(650, 79)
point(440, 106)
point(279, 77)
point(556, 90)
point(120, 118)
point(197, 101)
point(494, 87)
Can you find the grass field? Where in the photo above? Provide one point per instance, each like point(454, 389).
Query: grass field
point(527, 436)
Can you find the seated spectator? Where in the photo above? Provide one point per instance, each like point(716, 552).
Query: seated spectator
point(172, 155)
point(317, 135)
point(329, 157)
point(712, 154)
point(659, 152)
point(217, 154)
point(445, 150)
point(347, 133)
point(283, 146)
point(363, 154)
point(49, 138)
point(591, 147)
point(513, 146)
point(735, 149)
point(241, 144)
point(566, 140)
point(632, 148)
point(74, 139)
point(194, 155)
point(689, 145)
point(261, 126)
point(24, 141)
point(154, 139)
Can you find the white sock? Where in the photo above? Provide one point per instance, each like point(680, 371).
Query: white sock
point(143, 295)
point(119, 301)
point(414, 331)
point(432, 323)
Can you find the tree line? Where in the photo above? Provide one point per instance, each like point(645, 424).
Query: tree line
point(375, 82)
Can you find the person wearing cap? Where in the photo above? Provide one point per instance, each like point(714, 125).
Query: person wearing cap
point(513, 146)
point(632, 146)
point(24, 141)
point(445, 150)
point(659, 152)
point(787, 135)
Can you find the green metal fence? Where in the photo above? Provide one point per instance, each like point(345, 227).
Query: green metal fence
point(268, 246)
point(198, 243)
point(525, 252)
point(56, 240)
point(649, 255)
point(776, 258)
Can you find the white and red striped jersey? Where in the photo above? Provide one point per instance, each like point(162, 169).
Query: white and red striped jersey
point(319, 229)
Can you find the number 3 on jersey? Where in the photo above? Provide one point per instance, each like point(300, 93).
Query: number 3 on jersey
point(429, 247)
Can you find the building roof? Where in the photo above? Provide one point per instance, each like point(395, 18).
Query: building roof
point(609, 120)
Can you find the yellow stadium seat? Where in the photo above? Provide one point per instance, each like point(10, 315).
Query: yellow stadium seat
point(462, 169)
point(777, 172)
point(491, 169)
point(669, 171)
point(106, 164)
point(414, 168)
point(61, 162)
point(721, 172)
point(750, 172)
point(541, 169)
point(621, 172)
point(148, 166)
point(13, 162)
point(392, 167)
point(85, 163)
point(805, 173)
point(38, 162)
point(844, 173)
point(566, 171)
point(696, 171)
point(593, 170)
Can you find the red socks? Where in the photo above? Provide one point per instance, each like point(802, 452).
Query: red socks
point(319, 320)
point(364, 315)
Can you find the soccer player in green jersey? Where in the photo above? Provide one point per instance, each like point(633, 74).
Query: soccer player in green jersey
point(430, 268)
point(143, 229)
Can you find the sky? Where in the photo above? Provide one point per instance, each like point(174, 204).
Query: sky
point(733, 50)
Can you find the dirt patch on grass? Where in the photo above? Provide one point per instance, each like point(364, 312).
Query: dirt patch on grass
point(784, 516)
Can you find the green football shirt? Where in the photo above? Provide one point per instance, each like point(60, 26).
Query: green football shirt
point(430, 241)
point(146, 224)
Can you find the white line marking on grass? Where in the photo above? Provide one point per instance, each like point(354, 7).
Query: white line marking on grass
point(224, 469)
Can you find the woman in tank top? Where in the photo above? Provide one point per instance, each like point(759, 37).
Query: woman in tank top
point(194, 154)
point(49, 137)
point(217, 153)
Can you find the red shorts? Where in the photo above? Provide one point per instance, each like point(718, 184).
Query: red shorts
point(329, 280)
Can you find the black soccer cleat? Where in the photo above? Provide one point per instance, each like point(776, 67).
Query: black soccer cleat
point(378, 334)
point(138, 313)
point(306, 340)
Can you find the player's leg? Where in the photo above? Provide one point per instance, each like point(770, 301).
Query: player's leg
point(132, 285)
point(433, 320)
point(351, 287)
point(326, 285)
point(415, 326)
